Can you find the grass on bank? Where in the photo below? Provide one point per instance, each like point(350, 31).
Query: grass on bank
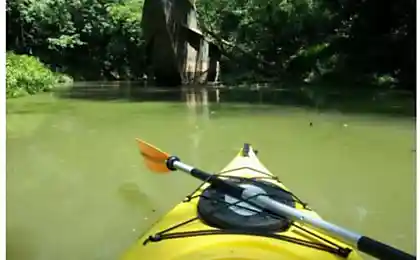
point(27, 75)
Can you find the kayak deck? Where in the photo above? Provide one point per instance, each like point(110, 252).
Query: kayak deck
point(211, 225)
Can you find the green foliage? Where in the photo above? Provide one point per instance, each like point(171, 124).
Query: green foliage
point(91, 39)
point(312, 40)
point(298, 40)
point(27, 75)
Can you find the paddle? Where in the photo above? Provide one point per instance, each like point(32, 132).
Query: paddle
point(159, 161)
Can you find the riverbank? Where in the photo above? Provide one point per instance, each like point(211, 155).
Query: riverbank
point(27, 75)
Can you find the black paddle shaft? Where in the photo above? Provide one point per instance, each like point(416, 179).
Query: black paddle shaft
point(224, 185)
point(381, 251)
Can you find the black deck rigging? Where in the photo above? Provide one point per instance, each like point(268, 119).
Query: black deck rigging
point(214, 210)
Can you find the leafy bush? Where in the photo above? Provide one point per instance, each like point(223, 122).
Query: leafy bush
point(313, 40)
point(27, 75)
point(103, 36)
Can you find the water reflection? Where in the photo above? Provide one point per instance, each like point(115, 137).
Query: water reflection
point(314, 97)
point(192, 94)
point(197, 101)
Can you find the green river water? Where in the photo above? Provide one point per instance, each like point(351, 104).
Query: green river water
point(77, 188)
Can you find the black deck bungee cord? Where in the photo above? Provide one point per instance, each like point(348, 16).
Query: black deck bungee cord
point(332, 248)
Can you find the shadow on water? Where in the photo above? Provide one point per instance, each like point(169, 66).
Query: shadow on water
point(374, 102)
point(132, 194)
point(20, 244)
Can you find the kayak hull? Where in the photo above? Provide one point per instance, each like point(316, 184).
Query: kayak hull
point(196, 239)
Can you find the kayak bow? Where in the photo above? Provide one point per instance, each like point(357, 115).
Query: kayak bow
point(245, 212)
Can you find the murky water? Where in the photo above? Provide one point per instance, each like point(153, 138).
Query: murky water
point(77, 188)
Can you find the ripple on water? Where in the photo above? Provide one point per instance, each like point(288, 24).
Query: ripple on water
point(362, 212)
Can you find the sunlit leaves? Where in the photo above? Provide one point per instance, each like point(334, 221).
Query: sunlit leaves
point(102, 34)
point(27, 75)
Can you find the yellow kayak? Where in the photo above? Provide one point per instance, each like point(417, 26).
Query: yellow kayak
point(209, 224)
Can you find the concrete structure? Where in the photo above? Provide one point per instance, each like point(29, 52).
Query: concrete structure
point(177, 51)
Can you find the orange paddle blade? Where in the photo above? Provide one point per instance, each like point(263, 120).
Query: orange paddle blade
point(154, 158)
